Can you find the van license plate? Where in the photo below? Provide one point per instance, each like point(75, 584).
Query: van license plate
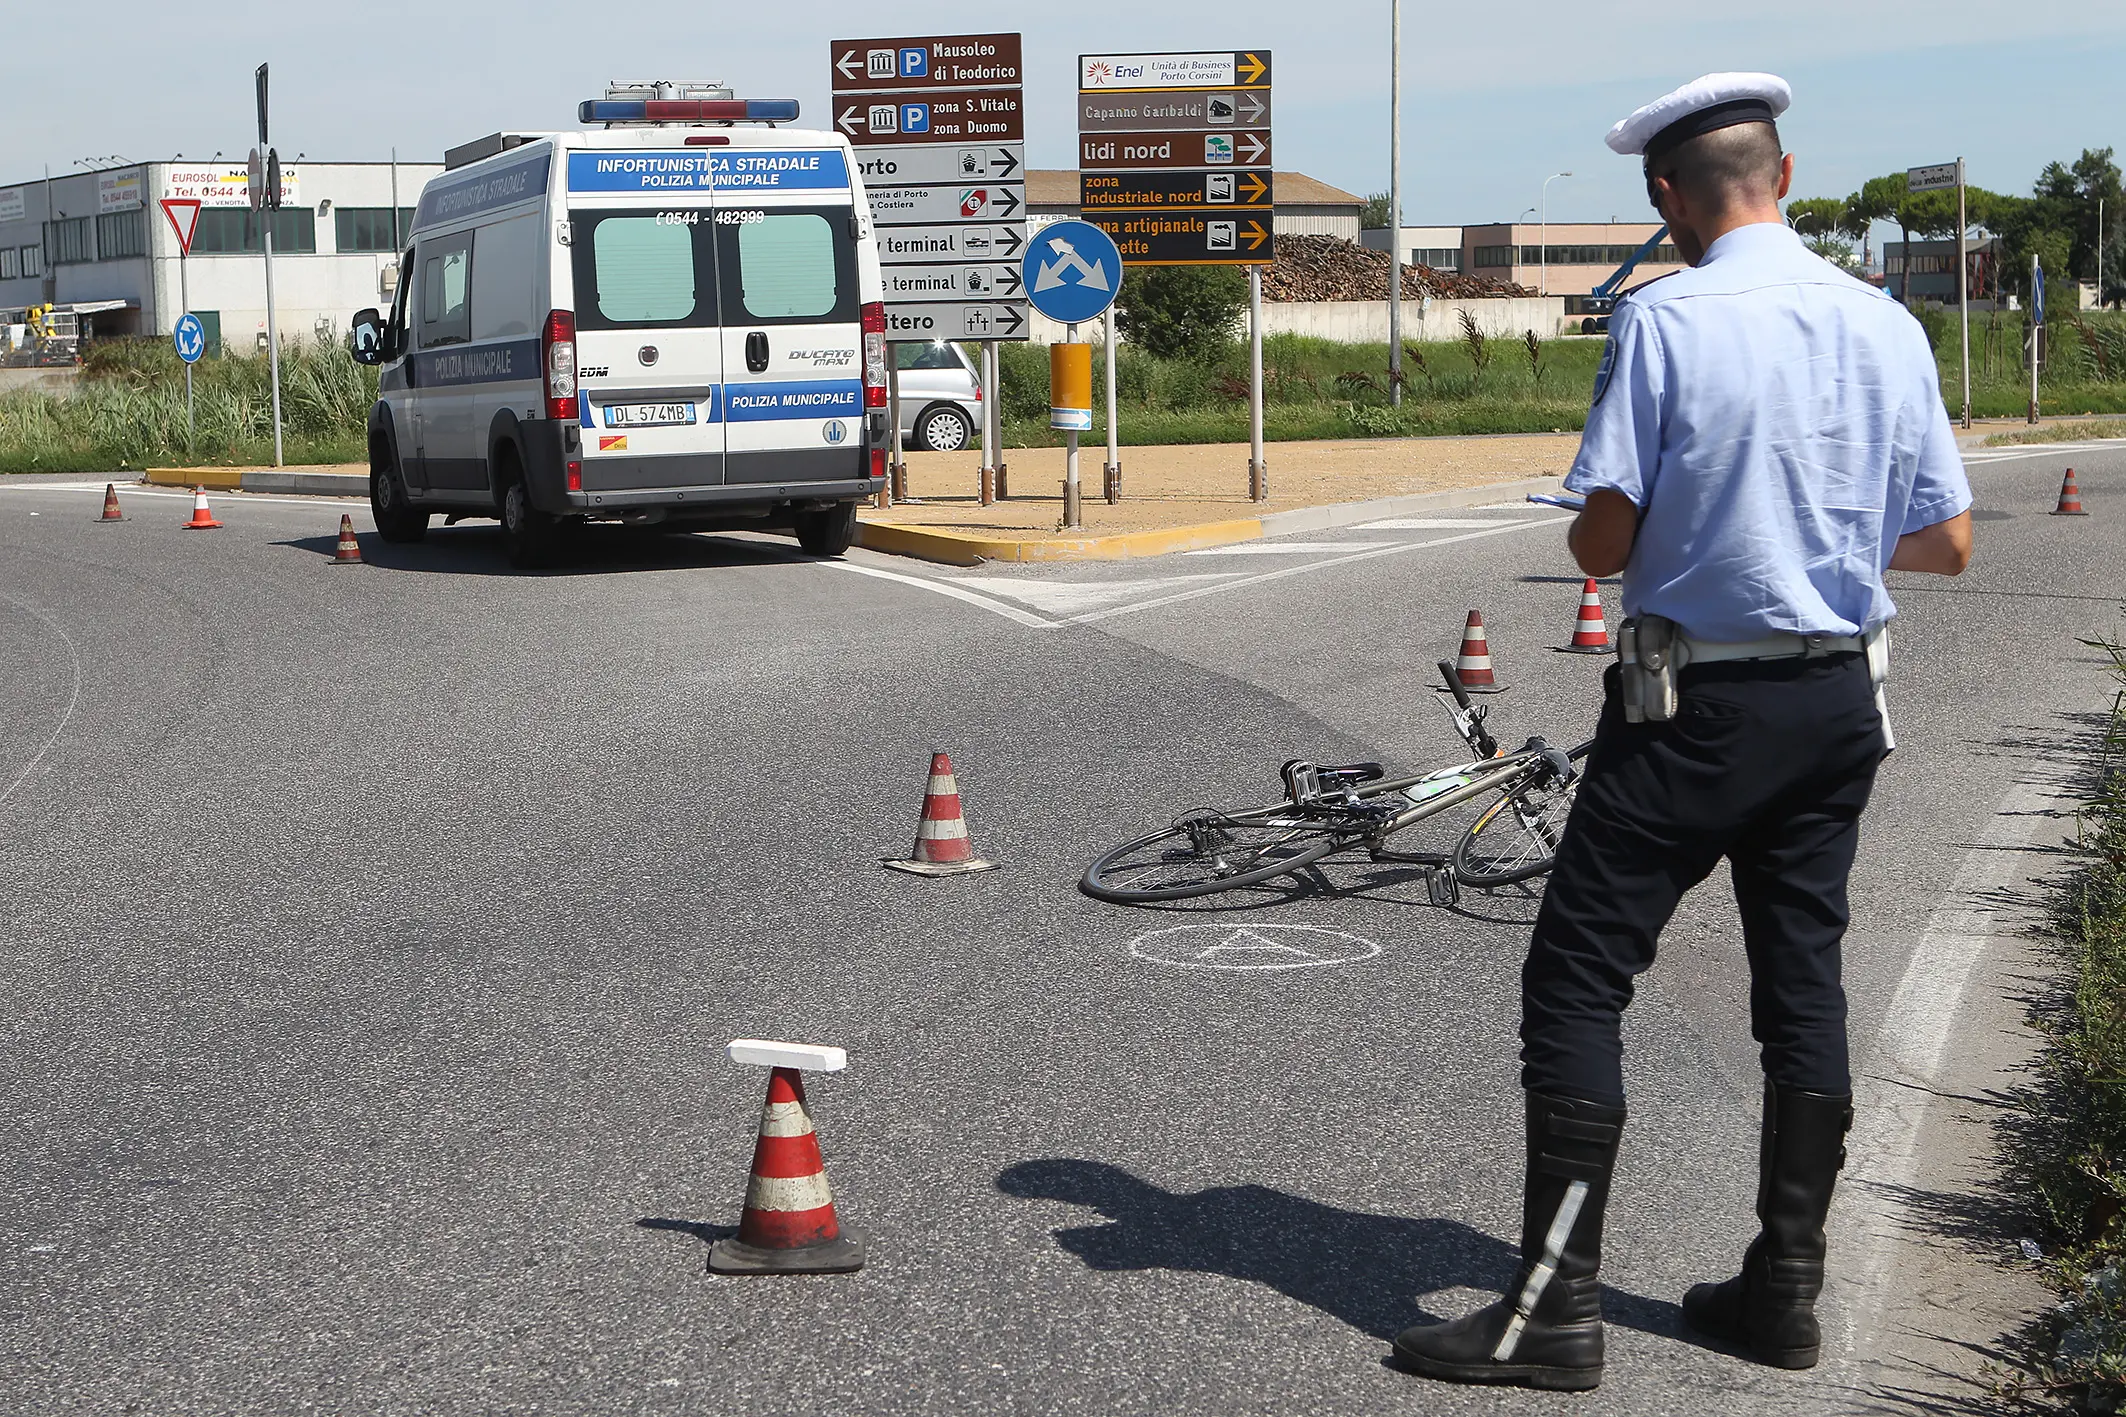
point(647, 415)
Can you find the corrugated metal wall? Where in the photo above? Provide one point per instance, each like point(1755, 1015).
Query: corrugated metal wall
point(1317, 221)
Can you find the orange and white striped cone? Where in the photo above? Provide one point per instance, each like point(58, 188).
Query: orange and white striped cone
point(2070, 498)
point(942, 846)
point(110, 504)
point(1590, 633)
point(1473, 667)
point(788, 1225)
point(202, 516)
point(349, 551)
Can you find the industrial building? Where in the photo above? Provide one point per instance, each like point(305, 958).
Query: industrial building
point(99, 246)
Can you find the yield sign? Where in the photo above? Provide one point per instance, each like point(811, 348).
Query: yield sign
point(183, 214)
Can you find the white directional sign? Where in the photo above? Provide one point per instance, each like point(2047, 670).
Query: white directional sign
point(956, 320)
point(938, 126)
point(1930, 179)
point(940, 163)
point(986, 202)
point(902, 245)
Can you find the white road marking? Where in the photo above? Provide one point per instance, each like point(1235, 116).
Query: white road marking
point(1893, 1093)
point(1427, 523)
point(1973, 456)
point(1064, 598)
point(1254, 948)
point(73, 699)
point(1310, 566)
point(1282, 548)
point(941, 586)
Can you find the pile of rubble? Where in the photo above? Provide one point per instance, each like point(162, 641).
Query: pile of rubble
point(1330, 268)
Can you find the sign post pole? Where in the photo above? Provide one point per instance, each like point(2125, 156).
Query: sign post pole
point(1258, 471)
point(1111, 475)
point(265, 173)
point(1073, 516)
point(184, 298)
point(1395, 204)
point(986, 474)
point(996, 418)
point(2037, 326)
point(1963, 285)
point(893, 487)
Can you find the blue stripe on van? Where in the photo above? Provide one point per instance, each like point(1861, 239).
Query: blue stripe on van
point(483, 192)
point(810, 398)
point(475, 364)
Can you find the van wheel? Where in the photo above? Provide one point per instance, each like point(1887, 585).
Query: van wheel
point(397, 519)
point(828, 532)
point(529, 533)
point(943, 429)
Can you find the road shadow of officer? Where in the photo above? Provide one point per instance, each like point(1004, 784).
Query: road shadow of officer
point(1300, 1248)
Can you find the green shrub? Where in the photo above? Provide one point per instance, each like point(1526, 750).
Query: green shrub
point(1181, 312)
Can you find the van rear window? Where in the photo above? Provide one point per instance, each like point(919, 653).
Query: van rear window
point(786, 266)
point(644, 270)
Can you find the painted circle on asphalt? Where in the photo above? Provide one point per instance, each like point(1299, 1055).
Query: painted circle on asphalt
point(1258, 948)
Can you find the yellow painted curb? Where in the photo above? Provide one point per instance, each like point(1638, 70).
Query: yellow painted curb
point(958, 549)
point(219, 479)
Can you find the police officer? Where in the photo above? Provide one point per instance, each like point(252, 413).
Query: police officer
point(1767, 438)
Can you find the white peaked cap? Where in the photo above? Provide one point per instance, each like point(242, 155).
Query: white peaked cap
point(1701, 106)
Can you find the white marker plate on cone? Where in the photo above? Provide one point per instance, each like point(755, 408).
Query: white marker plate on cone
point(806, 1057)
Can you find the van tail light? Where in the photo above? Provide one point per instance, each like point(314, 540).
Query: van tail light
point(875, 355)
point(575, 475)
point(878, 464)
point(557, 348)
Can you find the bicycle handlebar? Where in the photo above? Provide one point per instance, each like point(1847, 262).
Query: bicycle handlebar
point(1454, 683)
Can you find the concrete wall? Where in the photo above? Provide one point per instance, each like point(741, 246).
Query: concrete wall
point(1356, 321)
point(1366, 321)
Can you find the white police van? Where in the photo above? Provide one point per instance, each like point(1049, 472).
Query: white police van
point(673, 321)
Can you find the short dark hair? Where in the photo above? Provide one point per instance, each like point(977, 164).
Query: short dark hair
point(1723, 167)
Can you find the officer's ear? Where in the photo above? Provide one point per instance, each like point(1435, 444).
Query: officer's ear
point(1786, 175)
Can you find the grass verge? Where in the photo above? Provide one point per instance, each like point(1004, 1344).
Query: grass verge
point(2075, 1154)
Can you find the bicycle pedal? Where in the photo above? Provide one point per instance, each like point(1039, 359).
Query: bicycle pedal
point(1443, 888)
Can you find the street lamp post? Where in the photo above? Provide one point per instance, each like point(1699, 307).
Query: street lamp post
point(1543, 287)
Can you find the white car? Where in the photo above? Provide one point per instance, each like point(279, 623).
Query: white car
point(941, 396)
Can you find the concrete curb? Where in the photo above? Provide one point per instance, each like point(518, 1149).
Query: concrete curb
point(953, 548)
point(232, 479)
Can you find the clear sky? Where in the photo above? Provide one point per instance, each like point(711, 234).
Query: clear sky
point(1495, 97)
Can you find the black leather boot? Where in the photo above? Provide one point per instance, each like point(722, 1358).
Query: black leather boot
point(1547, 1330)
point(1770, 1307)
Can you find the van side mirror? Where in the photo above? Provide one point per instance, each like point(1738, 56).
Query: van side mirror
point(368, 337)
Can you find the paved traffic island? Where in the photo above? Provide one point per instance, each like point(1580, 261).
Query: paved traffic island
point(1183, 497)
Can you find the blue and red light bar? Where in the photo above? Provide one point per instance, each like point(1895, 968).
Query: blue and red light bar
point(687, 110)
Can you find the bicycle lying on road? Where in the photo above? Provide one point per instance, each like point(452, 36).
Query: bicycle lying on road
point(1357, 807)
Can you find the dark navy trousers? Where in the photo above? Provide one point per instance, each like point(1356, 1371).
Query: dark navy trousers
point(1767, 763)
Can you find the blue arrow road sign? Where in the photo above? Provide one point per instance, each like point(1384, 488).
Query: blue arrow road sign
point(190, 337)
point(1072, 271)
point(2037, 292)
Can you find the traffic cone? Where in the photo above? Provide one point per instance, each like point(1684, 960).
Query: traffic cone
point(942, 846)
point(2070, 499)
point(202, 518)
point(1473, 667)
point(788, 1225)
point(349, 551)
point(110, 504)
point(1590, 633)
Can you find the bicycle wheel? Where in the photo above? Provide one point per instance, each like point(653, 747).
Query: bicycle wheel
point(1207, 852)
point(1517, 836)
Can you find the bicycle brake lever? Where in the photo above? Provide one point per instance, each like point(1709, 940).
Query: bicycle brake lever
point(1560, 763)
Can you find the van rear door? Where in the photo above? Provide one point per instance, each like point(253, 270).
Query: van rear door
point(649, 349)
point(792, 313)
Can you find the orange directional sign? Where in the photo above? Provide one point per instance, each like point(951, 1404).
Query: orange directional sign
point(1213, 191)
point(1181, 238)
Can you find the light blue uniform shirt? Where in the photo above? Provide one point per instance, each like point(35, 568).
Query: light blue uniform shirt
point(1779, 425)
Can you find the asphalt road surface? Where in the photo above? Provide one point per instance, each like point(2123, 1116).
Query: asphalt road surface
point(371, 934)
